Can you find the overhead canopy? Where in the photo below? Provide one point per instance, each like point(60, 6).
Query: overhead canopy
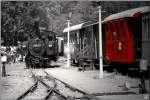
point(90, 24)
point(80, 26)
point(75, 27)
point(60, 38)
point(128, 13)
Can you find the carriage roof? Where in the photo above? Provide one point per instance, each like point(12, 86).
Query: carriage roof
point(128, 13)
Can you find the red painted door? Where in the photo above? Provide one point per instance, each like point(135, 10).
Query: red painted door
point(119, 41)
point(122, 42)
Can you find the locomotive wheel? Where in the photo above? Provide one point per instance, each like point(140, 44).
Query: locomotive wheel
point(47, 64)
point(27, 65)
point(73, 61)
point(44, 65)
point(40, 65)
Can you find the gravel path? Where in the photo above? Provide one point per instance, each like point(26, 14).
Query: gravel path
point(17, 80)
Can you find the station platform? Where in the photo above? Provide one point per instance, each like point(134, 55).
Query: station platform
point(110, 87)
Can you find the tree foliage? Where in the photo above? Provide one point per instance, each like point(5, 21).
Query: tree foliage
point(18, 17)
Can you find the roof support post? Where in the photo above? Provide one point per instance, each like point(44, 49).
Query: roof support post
point(100, 46)
point(68, 53)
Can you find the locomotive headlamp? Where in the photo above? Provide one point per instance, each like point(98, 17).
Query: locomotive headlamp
point(50, 45)
point(37, 45)
point(24, 46)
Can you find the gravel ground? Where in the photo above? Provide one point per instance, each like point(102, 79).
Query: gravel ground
point(89, 81)
point(16, 82)
point(18, 79)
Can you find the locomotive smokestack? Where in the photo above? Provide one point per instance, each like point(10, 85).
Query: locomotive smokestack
point(36, 24)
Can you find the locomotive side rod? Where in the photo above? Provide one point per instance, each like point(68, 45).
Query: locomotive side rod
point(86, 95)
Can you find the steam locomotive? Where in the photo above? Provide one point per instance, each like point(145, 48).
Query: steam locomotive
point(40, 51)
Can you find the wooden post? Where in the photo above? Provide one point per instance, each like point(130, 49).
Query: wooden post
point(3, 70)
point(3, 60)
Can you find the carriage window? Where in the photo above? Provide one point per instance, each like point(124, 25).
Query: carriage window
point(123, 29)
point(112, 31)
point(106, 27)
point(115, 31)
point(112, 27)
point(109, 32)
point(116, 24)
point(148, 28)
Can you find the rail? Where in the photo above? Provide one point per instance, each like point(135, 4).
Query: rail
point(31, 89)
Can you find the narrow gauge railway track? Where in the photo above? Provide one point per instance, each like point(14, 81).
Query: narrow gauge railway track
point(55, 89)
point(50, 89)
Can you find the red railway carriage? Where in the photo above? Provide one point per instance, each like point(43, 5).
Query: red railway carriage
point(123, 35)
point(126, 38)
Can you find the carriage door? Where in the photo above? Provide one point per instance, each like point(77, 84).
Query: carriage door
point(119, 39)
